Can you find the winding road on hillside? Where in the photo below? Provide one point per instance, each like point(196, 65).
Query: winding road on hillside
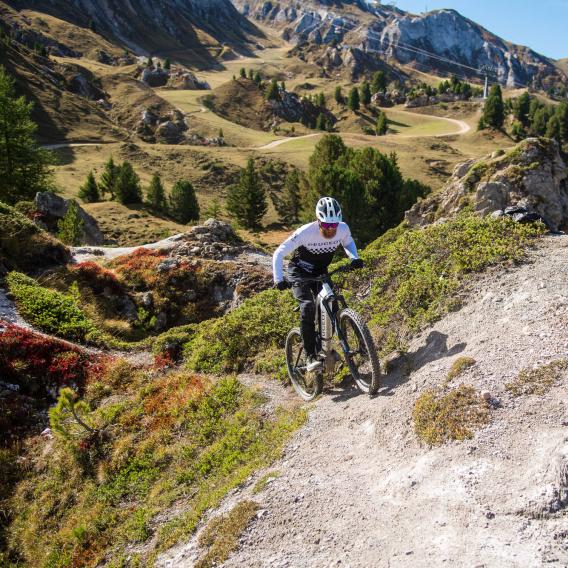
point(462, 128)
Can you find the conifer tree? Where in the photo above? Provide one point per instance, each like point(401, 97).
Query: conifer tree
point(320, 100)
point(127, 186)
point(24, 165)
point(167, 64)
point(283, 86)
point(251, 74)
point(257, 79)
point(246, 201)
point(493, 112)
point(243, 73)
point(71, 226)
point(553, 128)
point(354, 101)
point(321, 122)
point(339, 96)
point(213, 210)
point(521, 108)
point(272, 93)
point(289, 204)
point(365, 94)
point(382, 124)
point(107, 183)
point(156, 194)
point(184, 206)
point(70, 418)
point(89, 191)
point(379, 82)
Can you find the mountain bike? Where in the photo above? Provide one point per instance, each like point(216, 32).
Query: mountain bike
point(333, 319)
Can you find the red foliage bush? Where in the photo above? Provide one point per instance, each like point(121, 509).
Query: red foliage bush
point(33, 368)
point(97, 277)
point(139, 268)
point(39, 365)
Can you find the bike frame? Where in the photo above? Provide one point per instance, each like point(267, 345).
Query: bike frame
point(326, 321)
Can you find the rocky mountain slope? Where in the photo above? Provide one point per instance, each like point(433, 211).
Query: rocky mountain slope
point(429, 41)
point(532, 175)
point(151, 26)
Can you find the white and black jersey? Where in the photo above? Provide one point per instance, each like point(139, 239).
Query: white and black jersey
point(312, 252)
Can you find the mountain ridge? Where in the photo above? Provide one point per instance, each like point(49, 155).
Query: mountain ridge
point(434, 39)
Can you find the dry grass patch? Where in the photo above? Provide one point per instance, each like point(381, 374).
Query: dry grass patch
point(459, 366)
point(440, 416)
point(539, 380)
point(264, 481)
point(222, 534)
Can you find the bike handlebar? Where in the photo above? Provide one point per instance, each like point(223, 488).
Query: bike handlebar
point(322, 277)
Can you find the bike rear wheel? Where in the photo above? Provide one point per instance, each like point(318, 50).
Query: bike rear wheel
point(361, 355)
point(307, 385)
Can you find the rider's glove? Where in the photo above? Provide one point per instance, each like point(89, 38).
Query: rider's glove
point(282, 285)
point(356, 263)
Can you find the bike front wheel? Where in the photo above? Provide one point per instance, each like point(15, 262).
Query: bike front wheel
point(307, 385)
point(360, 353)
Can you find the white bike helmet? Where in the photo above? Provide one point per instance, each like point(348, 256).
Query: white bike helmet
point(328, 210)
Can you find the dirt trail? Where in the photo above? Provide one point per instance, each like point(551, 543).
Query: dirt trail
point(357, 489)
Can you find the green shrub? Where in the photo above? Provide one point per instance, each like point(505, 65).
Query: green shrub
point(439, 416)
point(48, 310)
point(412, 275)
point(229, 342)
point(539, 380)
point(171, 438)
point(459, 366)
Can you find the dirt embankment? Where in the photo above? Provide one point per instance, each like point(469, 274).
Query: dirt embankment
point(356, 488)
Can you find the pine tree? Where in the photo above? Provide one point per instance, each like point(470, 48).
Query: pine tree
point(289, 205)
point(283, 86)
point(562, 113)
point(382, 124)
point(493, 112)
point(89, 191)
point(150, 62)
point(272, 93)
point(221, 133)
point(246, 201)
point(379, 82)
point(251, 74)
point(184, 206)
point(339, 96)
point(354, 102)
point(365, 94)
point(521, 108)
point(213, 210)
point(24, 166)
point(156, 195)
point(321, 122)
point(257, 79)
point(553, 128)
point(70, 418)
point(320, 100)
point(107, 183)
point(540, 121)
point(71, 226)
point(167, 64)
point(127, 187)
point(243, 73)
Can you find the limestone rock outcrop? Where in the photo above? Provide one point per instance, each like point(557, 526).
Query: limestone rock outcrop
point(533, 175)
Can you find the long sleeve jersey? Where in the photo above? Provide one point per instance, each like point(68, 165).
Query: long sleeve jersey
point(313, 253)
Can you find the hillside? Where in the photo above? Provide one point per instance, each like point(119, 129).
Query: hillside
point(197, 29)
point(355, 487)
point(353, 30)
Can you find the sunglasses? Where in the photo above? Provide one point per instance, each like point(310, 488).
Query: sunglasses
point(327, 226)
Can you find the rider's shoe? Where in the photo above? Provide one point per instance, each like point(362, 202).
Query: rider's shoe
point(313, 364)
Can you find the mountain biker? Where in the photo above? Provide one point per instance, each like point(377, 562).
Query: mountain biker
point(313, 246)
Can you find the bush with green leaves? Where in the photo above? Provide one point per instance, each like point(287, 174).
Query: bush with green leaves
point(49, 310)
point(71, 228)
point(414, 274)
point(230, 342)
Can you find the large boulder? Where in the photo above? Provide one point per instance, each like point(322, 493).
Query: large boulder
point(155, 77)
point(532, 175)
point(186, 81)
point(52, 208)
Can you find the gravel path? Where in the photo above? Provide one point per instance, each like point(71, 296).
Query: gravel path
point(357, 489)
